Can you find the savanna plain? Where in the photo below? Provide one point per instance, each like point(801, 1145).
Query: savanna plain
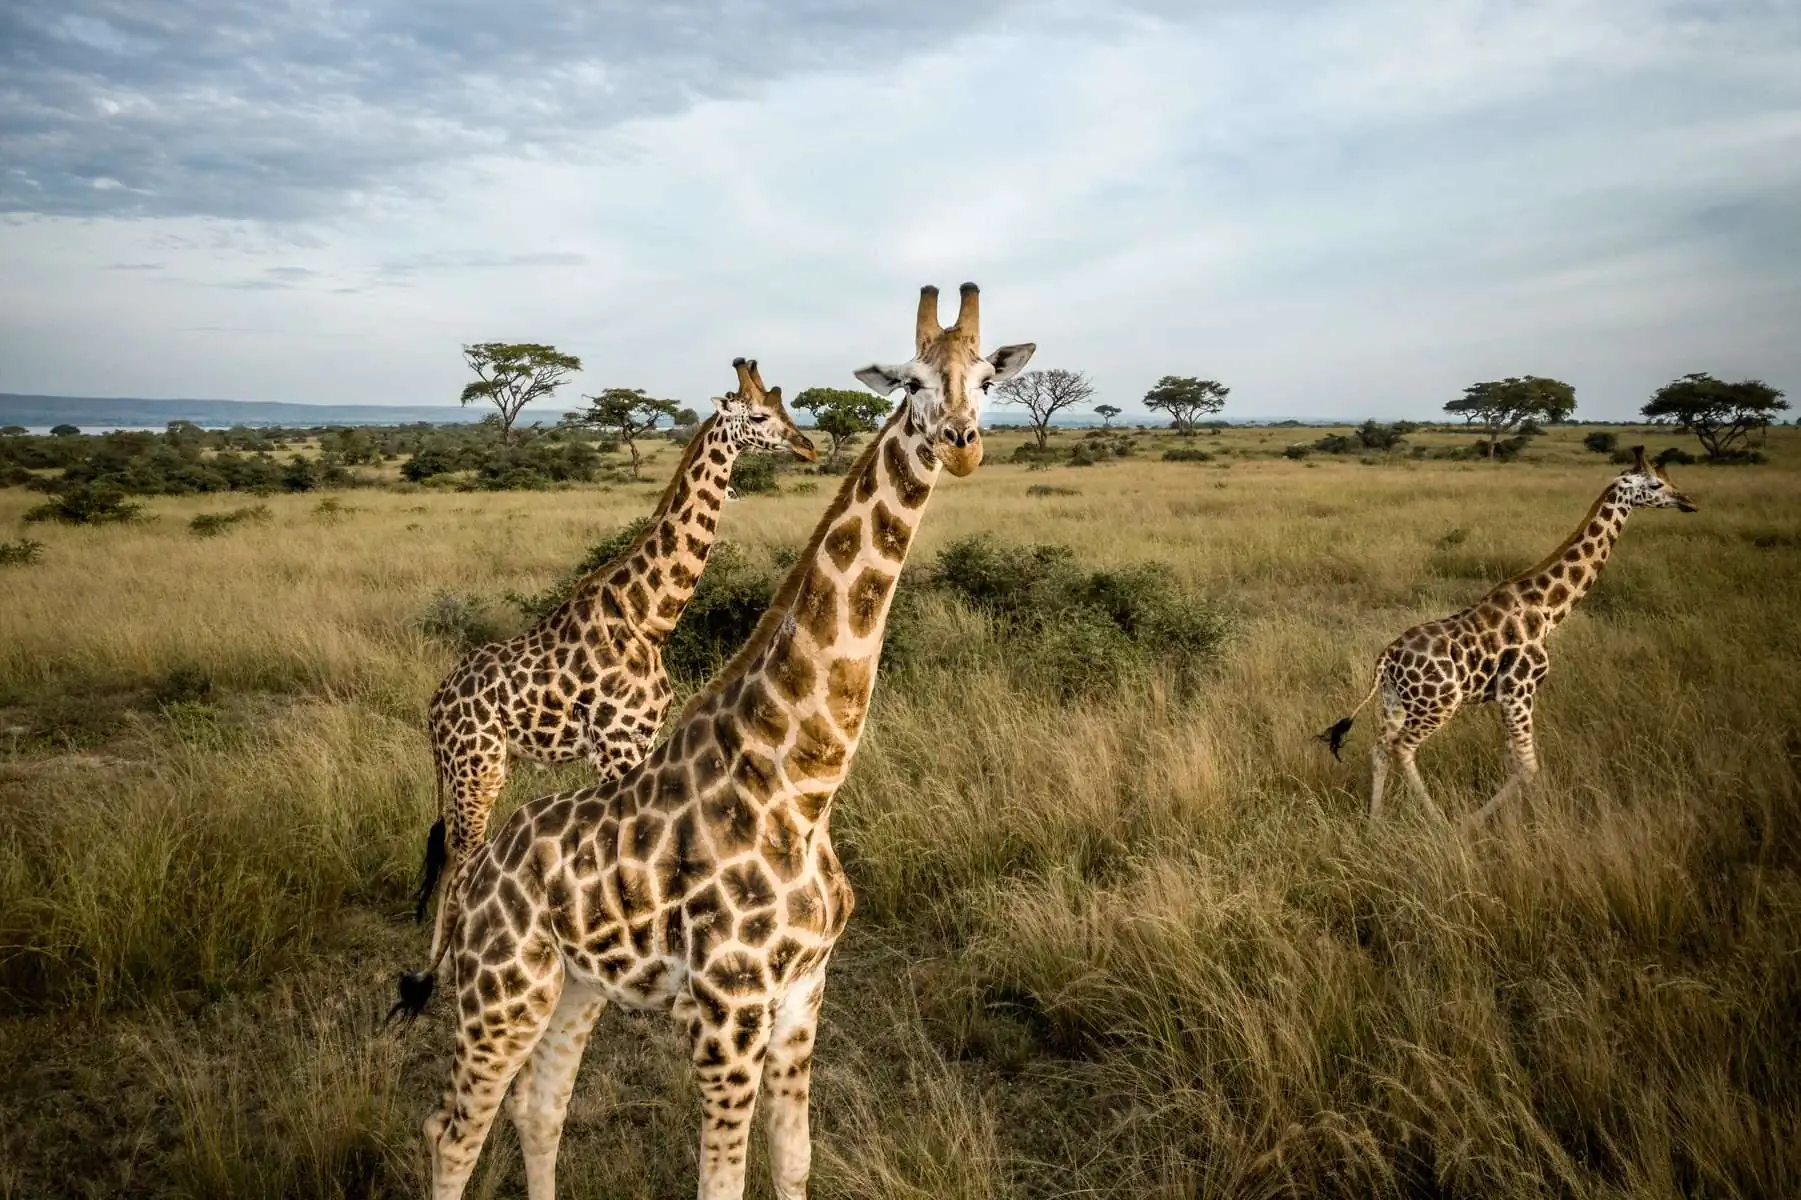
point(1123, 928)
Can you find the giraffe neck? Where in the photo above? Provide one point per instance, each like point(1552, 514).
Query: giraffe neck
point(799, 690)
point(1554, 586)
point(650, 584)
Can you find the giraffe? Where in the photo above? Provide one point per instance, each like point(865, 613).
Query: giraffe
point(587, 681)
point(702, 882)
point(1494, 650)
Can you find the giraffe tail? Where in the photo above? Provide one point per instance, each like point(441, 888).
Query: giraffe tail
point(416, 986)
point(1341, 728)
point(435, 856)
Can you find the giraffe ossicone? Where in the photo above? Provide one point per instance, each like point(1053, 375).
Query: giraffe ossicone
point(1494, 650)
point(587, 681)
point(702, 882)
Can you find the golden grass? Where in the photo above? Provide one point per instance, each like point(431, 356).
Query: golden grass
point(1140, 944)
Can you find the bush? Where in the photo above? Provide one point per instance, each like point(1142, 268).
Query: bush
point(1337, 443)
point(1078, 632)
point(1187, 454)
point(1675, 454)
point(460, 621)
point(214, 524)
point(729, 600)
point(1031, 456)
point(1051, 489)
point(87, 504)
point(1297, 451)
point(20, 553)
point(1087, 455)
point(1601, 441)
point(1373, 435)
point(754, 473)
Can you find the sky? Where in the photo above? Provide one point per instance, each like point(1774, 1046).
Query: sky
point(1338, 208)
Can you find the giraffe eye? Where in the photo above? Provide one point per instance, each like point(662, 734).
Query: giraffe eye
point(913, 386)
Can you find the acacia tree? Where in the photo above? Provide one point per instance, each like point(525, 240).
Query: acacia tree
point(1723, 415)
point(1106, 412)
point(1186, 399)
point(1502, 404)
point(629, 414)
point(841, 414)
point(1043, 394)
point(511, 375)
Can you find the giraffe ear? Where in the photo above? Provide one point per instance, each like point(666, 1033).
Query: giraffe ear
point(884, 379)
point(1009, 360)
point(719, 403)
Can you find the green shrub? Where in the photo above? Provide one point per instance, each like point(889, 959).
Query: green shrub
point(754, 473)
point(730, 598)
point(87, 504)
point(214, 524)
point(1051, 489)
point(1187, 454)
point(1030, 455)
point(536, 608)
point(1674, 454)
point(1297, 451)
point(1601, 441)
point(460, 621)
point(20, 553)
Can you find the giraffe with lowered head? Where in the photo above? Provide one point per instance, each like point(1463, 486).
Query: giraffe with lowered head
point(587, 681)
point(1494, 650)
point(703, 883)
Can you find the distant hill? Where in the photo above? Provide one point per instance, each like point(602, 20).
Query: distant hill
point(96, 414)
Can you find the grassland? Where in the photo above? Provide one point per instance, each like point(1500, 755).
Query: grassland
point(1142, 943)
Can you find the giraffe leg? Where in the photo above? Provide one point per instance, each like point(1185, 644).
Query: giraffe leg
point(540, 1096)
point(1516, 715)
point(485, 1064)
point(787, 1080)
point(476, 785)
point(728, 1063)
point(1393, 717)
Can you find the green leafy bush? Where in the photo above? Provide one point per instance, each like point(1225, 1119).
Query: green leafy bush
point(1187, 454)
point(754, 473)
point(20, 553)
point(1601, 441)
point(536, 608)
point(460, 621)
point(87, 504)
point(214, 524)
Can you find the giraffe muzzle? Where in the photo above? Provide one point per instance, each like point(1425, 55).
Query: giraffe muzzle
point(960, 448)
point(803, 447)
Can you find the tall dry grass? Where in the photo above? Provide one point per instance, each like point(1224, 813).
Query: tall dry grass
point(1137, 943)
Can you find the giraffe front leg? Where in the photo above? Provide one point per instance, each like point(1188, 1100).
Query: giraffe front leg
point(1516, 716)
point(507, 1029)
point(787, 1080)
point(539, 1101)
point(729, 1051)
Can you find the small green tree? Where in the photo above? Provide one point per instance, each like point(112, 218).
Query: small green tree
point(14, 431)
point(628, 414)
point(687, 416)
point(1106, 412)
point(842, 414)
point(1501, 404)
point(1186, 399)
point(1723, 415)
point(511, 375)
point(65, 431)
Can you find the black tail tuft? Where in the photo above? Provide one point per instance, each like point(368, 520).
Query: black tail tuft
point(1335, 736)
point(435, 855)
point(415, 993)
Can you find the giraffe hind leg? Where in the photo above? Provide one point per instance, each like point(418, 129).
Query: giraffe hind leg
point(1393, 717)
point(539, 1101)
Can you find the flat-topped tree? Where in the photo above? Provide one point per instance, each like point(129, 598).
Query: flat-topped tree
point(703, 882)
point(841, 414)
point(1722, 415)
point(1186, 399)
point(629, 414)
point(1044, 394)
point(510, 375)
point(1502, 405)
point(1106, 412)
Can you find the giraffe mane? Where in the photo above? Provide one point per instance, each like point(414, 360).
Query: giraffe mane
point(663, 502)
point(783, 600)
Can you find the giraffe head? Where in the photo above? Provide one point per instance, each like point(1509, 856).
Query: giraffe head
point(755, 418)
point(947, 378)
point(1646, 486)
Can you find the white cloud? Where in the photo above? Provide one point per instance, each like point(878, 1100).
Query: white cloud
point(1338, 209)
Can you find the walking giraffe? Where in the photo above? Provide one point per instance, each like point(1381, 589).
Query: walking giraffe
point(587, 681)
point(1494, 650)
point(703, 882)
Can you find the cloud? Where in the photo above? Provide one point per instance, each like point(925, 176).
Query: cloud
point(233, 108)
point(1339, 209)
